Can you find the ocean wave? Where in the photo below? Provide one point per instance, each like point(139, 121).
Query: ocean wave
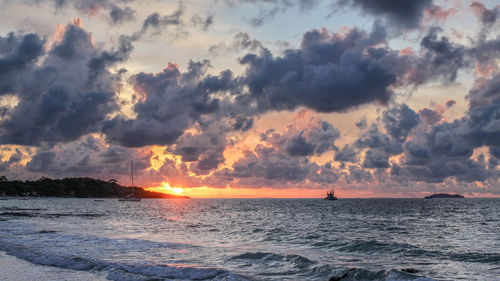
point(476, 257)
point(21, 209)
point(356, 274)
point(123, 271)
point(278, 266)
point(21, 233)
point(374, 246)
point(414, 251)
point(46, 231)
point(14, 212)
point(17, 214)
point(295, 260)
point(82, 215)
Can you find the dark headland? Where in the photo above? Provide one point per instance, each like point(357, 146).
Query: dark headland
point(75, 187)
point(444, 195)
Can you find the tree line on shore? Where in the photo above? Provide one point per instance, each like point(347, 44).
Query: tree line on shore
point(75, 187)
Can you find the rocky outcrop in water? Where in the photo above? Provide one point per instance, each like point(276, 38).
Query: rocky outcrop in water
point(444, 195)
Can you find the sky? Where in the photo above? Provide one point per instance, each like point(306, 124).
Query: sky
point(254, 98)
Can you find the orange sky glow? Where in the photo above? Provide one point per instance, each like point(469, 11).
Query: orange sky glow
point(229, 192)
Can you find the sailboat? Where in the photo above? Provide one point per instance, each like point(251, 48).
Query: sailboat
point(131, 197)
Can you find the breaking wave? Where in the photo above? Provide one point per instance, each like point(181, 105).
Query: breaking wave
point(122, 271)
point(297, 265)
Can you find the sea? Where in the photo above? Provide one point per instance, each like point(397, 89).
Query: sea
point(250, 239)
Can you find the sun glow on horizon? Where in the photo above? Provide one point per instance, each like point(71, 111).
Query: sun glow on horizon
point(165, 187)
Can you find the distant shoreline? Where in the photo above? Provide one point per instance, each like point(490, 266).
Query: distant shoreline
point(444, 195)
point(76, 188)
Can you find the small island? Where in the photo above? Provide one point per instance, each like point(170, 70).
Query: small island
point(76, 187)
point(444, 195)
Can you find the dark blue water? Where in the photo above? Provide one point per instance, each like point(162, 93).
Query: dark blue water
point(259, 239)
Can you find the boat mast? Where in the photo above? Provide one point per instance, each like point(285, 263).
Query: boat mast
point(132, 171)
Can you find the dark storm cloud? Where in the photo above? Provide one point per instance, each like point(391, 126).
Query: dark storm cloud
point(69, 92)
point(376, 158)
point(41, 162)
point(204, 149)
point(210, 160)
point(442, 59)
point(483, 120)
point(75, 159)
point(450, 103)
point(446, 140)
point(191, 146)
point(445, 150)
point(114, 155)
point(417, 153)
point(98, 65)
point(326, 174)
point(484, 126)
point(399, 121)
point(439, 170)
point(373, 138)
point(495, 152)
point(156, 21)
point(443, 154)
point(346, 154)
point(284, 158)
point(486, 53)
point(90, 144)
point(119, 15)
point(173, 102)
point(430, 116)
point(328, 73)
point(268, 165)
point(297, 146)
point(64, 97)
point(18, 55)
point(314, 140)
point(317, 138)
point(379, 146)
point(400, 14)
point(358, 175)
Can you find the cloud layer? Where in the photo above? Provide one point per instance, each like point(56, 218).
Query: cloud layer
point(69, 106)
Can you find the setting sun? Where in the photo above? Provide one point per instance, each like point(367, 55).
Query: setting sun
point(166, 188)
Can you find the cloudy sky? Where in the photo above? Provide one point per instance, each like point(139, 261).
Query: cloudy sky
point(254, 98)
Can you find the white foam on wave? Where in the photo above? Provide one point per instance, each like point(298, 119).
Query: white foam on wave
point(17, 269)
point(122, 271)
point(72, 252)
